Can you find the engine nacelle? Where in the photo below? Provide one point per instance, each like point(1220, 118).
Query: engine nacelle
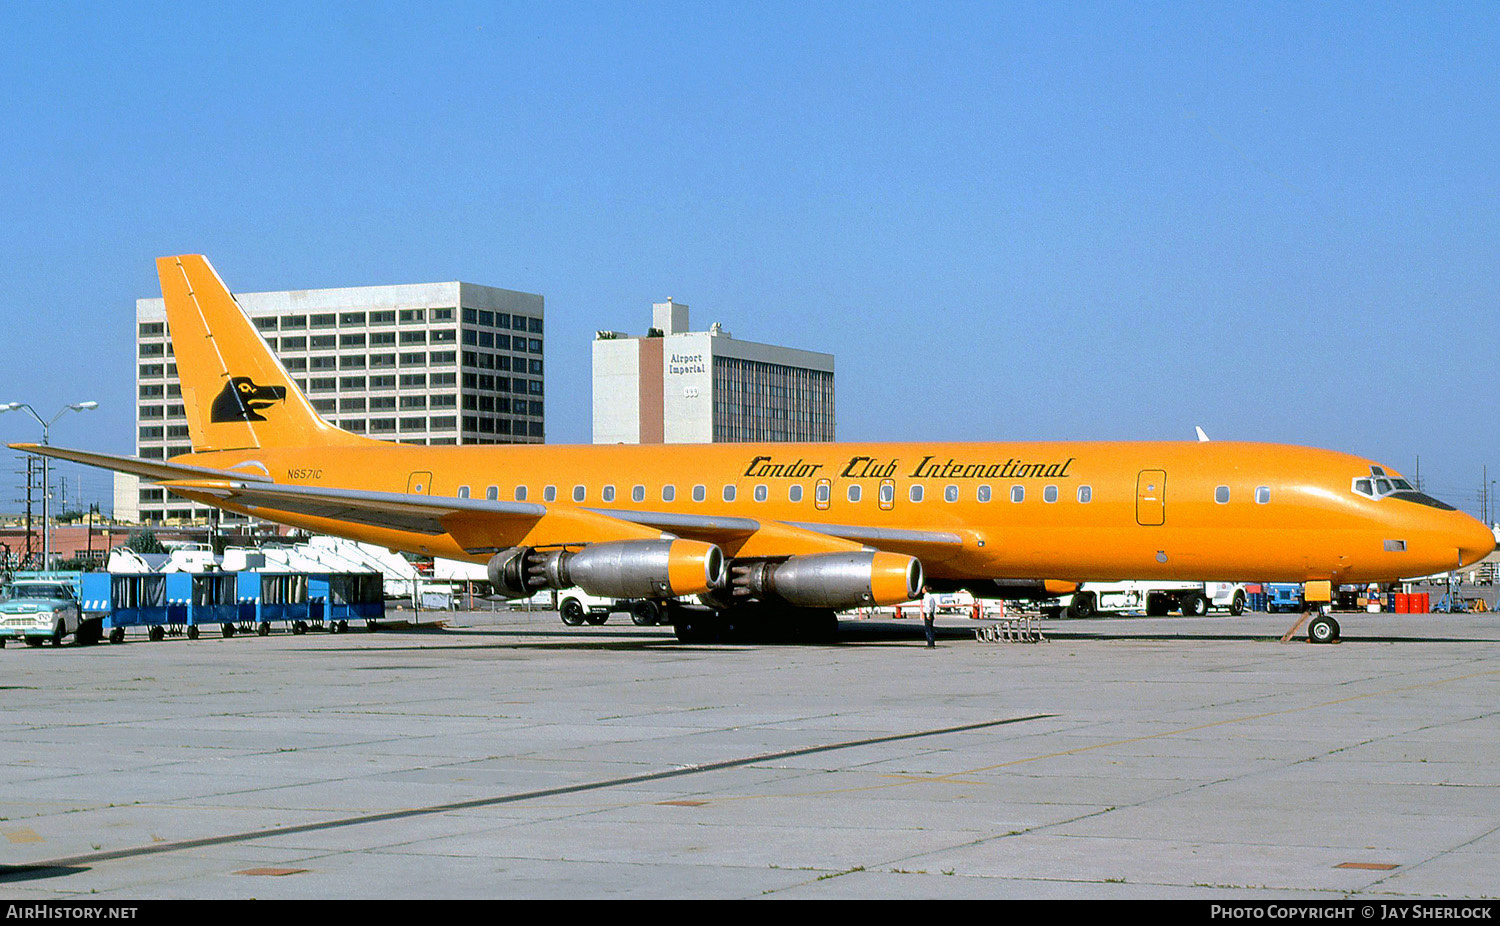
point(613, 569)
point(837, 580)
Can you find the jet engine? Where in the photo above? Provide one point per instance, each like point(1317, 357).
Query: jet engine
point(613, 569)
point(832, 580)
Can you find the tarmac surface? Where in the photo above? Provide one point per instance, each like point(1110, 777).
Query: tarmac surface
point(509, 756)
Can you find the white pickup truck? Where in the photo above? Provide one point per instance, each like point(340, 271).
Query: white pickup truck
point(43, 611)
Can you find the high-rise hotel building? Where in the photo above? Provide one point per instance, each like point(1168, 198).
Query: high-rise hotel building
point(428, 363)
point(677, 386)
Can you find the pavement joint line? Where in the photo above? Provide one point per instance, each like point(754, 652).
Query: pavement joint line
point(21, 871)
point(954, 777)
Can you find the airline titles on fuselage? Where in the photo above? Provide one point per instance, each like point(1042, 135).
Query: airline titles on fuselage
point(862, 467)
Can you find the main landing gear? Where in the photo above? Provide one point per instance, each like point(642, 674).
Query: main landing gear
point(754, 623)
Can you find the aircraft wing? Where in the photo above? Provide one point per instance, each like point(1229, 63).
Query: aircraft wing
point(150, 469)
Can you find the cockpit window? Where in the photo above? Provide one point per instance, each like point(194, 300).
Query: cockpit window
point(1380, 485)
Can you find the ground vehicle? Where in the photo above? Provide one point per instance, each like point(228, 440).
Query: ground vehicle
point(1193, 599)
point(1283, 596)
point(44, 609)
point(576, 607)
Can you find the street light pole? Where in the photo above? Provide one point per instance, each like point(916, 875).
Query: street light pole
point(46, 489)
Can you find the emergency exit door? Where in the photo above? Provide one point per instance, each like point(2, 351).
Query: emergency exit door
point(1151, 498)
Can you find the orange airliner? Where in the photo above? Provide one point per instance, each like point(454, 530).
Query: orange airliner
point(759, 532)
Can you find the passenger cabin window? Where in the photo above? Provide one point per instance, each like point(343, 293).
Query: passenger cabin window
point(950, 493)
point(794, 494)
point(668, 493)
point(700, 493)
point(1262, 495)
point(761, 493)
point(822, 494)
point(492, 493)
point(887, 494)
point(549, 494)
point(1221, 495)
point(915, 494)
point(609, 493)
point(983, 494)
point(1049, 494)
point(1018, 493)
point(579, 493)
point(638, 494)
point(729, 493)
point(1085, 494)
point(520, 493)
point(853, 493)
point(463, 491)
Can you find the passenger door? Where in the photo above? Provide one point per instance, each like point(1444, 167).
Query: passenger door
point(1151, 498)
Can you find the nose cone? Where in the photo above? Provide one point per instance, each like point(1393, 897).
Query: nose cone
point(1475, 541)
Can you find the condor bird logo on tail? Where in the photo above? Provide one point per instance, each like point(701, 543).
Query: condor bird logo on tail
point(242, 400)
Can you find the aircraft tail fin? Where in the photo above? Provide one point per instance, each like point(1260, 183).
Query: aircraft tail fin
point(237, 395)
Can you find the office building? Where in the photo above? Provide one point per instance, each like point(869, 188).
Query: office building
point(430, 363)
point(678, 386)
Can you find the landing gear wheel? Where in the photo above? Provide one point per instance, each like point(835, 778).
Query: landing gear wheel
point(571, 612)
point(645, 613)
point(1323, 629)
point(1194, 605)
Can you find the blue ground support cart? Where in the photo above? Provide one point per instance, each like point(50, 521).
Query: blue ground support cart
point(341, 597)
point(213, 601)
point(275, 598)
point(132, 601)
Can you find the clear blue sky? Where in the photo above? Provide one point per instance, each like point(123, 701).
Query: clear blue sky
point(1280, 221)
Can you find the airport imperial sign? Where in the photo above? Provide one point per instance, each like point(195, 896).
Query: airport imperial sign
point(930, 467)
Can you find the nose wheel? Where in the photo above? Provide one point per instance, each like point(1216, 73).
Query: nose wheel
point(1323, 629)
